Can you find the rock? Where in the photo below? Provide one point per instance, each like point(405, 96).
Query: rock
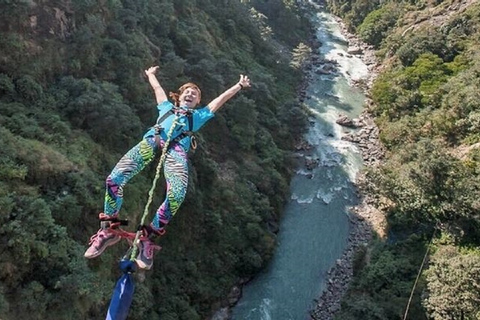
point(222, 314)
point(311, 163)
point(323, 71)
point(234, 295)
point(348, 137)
point(345, 121)
point(355, 50)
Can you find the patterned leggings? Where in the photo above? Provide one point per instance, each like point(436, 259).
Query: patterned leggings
point(176, 176)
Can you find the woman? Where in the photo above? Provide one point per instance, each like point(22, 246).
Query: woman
point(189, 120)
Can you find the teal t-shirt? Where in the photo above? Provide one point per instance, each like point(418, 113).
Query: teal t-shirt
point(199, 116)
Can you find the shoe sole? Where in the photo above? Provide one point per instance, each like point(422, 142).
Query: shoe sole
point(109, 243)
point(142, 265)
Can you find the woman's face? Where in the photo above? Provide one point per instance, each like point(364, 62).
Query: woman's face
point(190, 98)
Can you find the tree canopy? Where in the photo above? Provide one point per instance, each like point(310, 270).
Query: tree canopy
point(73, 99)
point(425, 103)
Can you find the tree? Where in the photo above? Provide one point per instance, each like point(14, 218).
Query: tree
point(423, 41)
point(72, 99)
point(99, 109)
point(378, 23)
point(453, 285)
point(461, 105)
point(300, 55)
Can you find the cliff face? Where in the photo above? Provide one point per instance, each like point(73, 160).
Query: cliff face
point(434, 16)
point(43, 30)
point(51, 18)
point(57, 22)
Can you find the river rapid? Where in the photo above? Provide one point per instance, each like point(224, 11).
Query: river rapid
point(314, 229)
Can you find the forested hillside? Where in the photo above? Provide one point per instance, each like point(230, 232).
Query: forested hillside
point(427, 106)
point(74, 99)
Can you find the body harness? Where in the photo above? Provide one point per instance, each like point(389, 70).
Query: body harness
point(188, 133)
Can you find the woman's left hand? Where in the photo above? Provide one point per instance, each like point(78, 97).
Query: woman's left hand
point(151, 70)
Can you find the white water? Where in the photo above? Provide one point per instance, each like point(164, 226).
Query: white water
point(314, 229)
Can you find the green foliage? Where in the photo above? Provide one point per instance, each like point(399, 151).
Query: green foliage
point(300, 55)
point(426, 103)
point(73, 99)
point(411, 89)
point(431, 41)
point(285, 18)
point(42, 265)
point(243, 121)
point(353, 12)
point(461, 103)
point(6, 85)
point(296, 116)
point(427, 74)
point(95, 107)
point(382, 286)
point(377, 24)
point(261, 20)
point(453, 285)
point(363, 307)
point(427, 184)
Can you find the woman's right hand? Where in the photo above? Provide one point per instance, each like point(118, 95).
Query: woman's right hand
point(244, 81)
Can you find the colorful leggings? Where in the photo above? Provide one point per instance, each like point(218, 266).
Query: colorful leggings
point(176, 176)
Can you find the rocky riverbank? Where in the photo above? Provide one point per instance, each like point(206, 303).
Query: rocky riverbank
point(365, 219)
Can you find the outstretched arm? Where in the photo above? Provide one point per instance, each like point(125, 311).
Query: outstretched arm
point(219, 101)
point(160, 95)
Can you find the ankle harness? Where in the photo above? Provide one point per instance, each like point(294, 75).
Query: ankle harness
point(113, 223)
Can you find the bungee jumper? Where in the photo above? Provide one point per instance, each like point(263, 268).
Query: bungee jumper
point(171, 136)
point(123, 294)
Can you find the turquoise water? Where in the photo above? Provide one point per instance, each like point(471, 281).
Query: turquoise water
point(314, 229)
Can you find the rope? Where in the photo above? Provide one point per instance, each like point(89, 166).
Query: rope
point(152, 189)
point(419, 273)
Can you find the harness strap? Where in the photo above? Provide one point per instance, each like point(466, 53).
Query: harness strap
point(189, 133)
point(111, 222)
point(165, 116)
point(172, 112)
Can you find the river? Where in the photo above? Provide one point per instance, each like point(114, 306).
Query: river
point(314, 229)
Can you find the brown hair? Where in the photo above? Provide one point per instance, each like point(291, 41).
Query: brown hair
point(176, 96)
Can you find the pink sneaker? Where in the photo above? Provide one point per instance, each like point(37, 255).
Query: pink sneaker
point(100, 241)
point(146, 249)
